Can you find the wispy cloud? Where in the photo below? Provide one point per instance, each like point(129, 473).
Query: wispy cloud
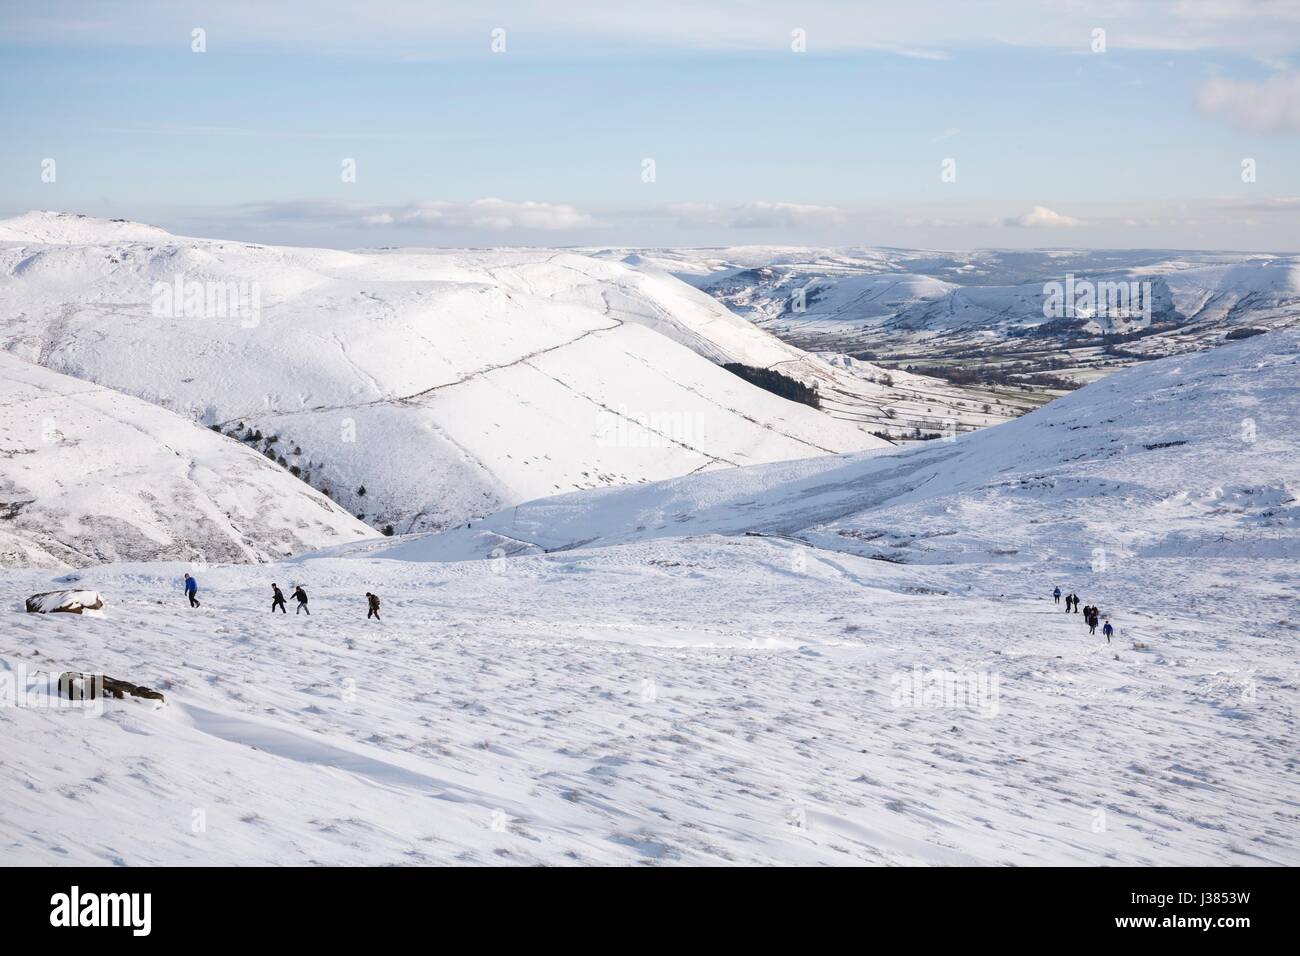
point(913, 28)
point(1261, 224)
point(491, 214)
point(1271, 106)
point(756, 215)
point(488, 214)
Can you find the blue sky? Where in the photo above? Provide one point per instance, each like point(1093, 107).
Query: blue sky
point(752, 142)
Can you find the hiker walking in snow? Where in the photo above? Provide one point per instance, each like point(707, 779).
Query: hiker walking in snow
point(373, 600)
point(1057, 595)
point(191, 589)
point(1108, 631)
point(277, 599)
point(1076, 604)
point(300, 596)
point(1092, 625)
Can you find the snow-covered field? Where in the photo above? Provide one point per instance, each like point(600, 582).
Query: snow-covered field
point(877, 674)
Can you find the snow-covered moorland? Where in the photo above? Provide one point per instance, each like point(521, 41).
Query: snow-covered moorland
point(876, 674)
point(424, 388)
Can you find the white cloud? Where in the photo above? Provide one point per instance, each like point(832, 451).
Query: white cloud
point(491, 214)
point(1270, 106)
point(478, 215)
point(757, 215)
point(1040, 217)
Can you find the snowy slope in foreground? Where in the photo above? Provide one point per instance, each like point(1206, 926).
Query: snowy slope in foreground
point(447, 384)
point(699, 701)
point(88, 475)
point(718, 699)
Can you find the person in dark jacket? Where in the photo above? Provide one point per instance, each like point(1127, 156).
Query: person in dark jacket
point(191, 589)
point(300, 596)
point(277, 599)
point(373, 601)
point(1056, 596)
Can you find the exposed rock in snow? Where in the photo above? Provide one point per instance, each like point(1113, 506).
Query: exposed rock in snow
point(71, 602)
point(93, 686)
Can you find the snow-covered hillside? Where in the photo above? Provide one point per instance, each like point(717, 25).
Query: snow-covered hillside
point(88, 475)
point(878, 674)
point(984, 308)
point(446, 384)
point(1192, 456)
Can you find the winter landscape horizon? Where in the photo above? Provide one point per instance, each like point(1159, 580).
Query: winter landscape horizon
point(908, 496)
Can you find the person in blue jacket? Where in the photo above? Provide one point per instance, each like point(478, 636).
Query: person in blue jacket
point(1057, 595)
point(1108, 631)
point(191, 589)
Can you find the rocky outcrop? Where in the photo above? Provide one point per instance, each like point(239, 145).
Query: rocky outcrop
point(76, 686)
point(71, 602)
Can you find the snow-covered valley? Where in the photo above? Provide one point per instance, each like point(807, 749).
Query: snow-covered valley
point(981, 312)
point(420, 389)
point(846, 659)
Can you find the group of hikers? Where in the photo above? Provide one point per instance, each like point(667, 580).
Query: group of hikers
point(299, 594)
point(1091, 614)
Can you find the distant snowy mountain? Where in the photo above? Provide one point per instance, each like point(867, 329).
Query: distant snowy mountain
point(70, 228)
point(1194, 456)
point(986, 307)
point(88, 475)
